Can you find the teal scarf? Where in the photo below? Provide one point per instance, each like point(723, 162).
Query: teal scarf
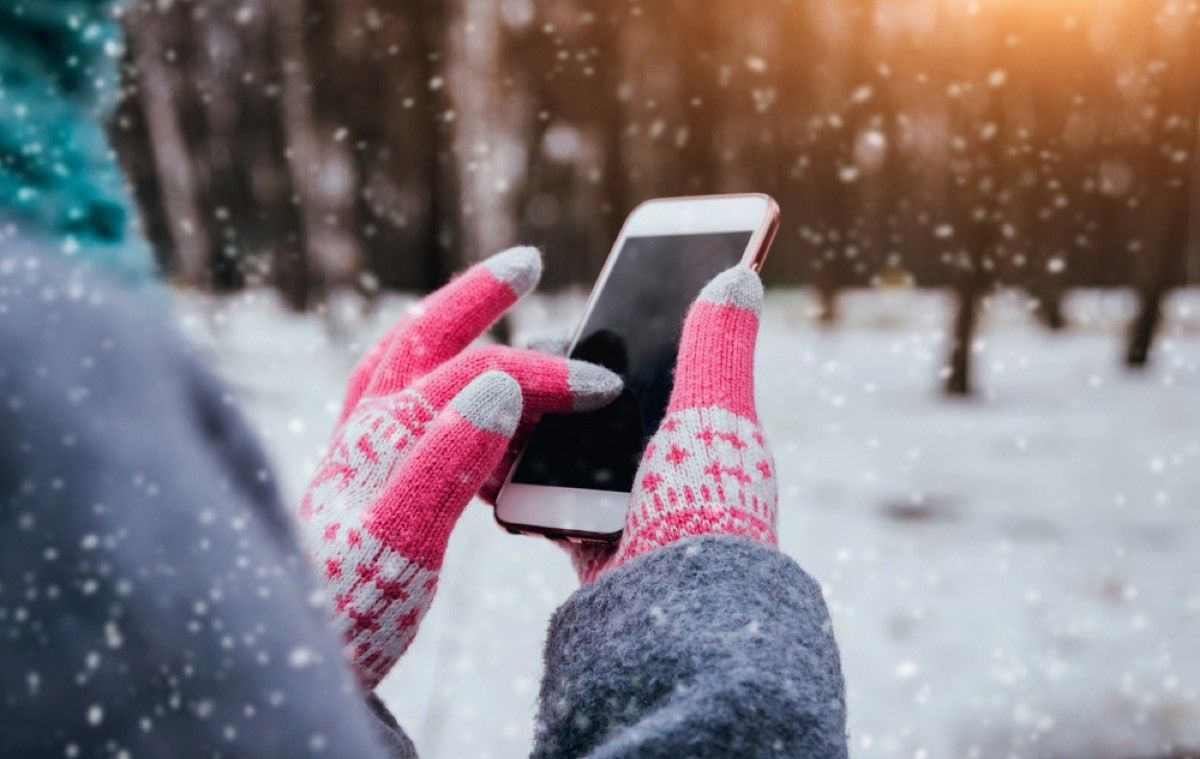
point(58, 174)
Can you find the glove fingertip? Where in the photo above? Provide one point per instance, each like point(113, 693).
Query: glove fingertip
point(592, 386)
point(739, 287)
point(520, 268)
point(492, 402)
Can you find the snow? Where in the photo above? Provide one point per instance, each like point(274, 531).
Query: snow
point(1010, 575)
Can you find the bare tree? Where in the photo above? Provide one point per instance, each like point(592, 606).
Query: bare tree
point(171, 157)
point(1167, 158)
point(980, 192)
point(322, 172)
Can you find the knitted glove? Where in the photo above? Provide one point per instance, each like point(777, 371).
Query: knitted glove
point(707, 470)
point(424, 424)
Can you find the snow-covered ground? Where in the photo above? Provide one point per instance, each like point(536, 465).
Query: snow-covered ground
point(1017, 575)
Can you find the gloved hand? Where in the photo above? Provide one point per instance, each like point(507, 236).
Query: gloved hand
point(707, 470)
point(424, 424)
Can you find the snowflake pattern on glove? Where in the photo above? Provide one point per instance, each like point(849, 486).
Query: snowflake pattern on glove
point(377, 594)
point(708, 471)
point(425, 424)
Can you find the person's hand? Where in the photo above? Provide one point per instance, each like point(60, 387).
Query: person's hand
point(707, 470)
point(424, 424)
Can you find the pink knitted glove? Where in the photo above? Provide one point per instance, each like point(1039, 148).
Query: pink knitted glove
point(707, 470)
point(424, 424)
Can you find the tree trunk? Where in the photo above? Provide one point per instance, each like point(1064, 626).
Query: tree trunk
point(982, 189)
point(169, 152)
point(698, 57)
point(958, 380)
point(321, 172)
point(294, 270)
point(827, 299)
point(444, 246)
point(1173, 183)
point(1049, 308)
point(1141, 334)
point(1156, 283)
point(481, 115)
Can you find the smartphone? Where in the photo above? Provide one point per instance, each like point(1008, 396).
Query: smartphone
point(573, 478)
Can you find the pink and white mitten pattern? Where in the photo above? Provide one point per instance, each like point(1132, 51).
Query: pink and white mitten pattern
point(707, 470)
point(425, 422)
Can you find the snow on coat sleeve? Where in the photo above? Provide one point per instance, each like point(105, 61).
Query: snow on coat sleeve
point(152, 597)
point(713, 646)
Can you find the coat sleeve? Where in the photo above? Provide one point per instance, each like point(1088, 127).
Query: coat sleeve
point(152, 597)
point(713, 646)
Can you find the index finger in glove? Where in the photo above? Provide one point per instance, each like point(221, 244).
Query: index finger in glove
point(548, 383)
point(716, 352)
point(444, 323)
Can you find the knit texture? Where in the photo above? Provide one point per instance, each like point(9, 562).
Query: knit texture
point(424, 424)
point(707, 470)
point(710, 647)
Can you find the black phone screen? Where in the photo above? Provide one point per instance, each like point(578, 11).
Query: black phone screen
point(633, 329)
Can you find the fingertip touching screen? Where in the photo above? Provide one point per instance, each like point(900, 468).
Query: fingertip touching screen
point(633, 329)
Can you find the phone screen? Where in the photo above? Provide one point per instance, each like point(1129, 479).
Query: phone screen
point(633, 329)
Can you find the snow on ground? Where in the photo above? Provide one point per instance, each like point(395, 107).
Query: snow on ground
point(1010, 576)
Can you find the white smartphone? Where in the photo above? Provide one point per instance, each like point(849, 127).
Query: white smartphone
point(575, 474)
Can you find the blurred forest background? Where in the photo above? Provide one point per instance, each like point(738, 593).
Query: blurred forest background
point(382, 144)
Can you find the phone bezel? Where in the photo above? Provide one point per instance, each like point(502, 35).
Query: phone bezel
point(599, 515)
